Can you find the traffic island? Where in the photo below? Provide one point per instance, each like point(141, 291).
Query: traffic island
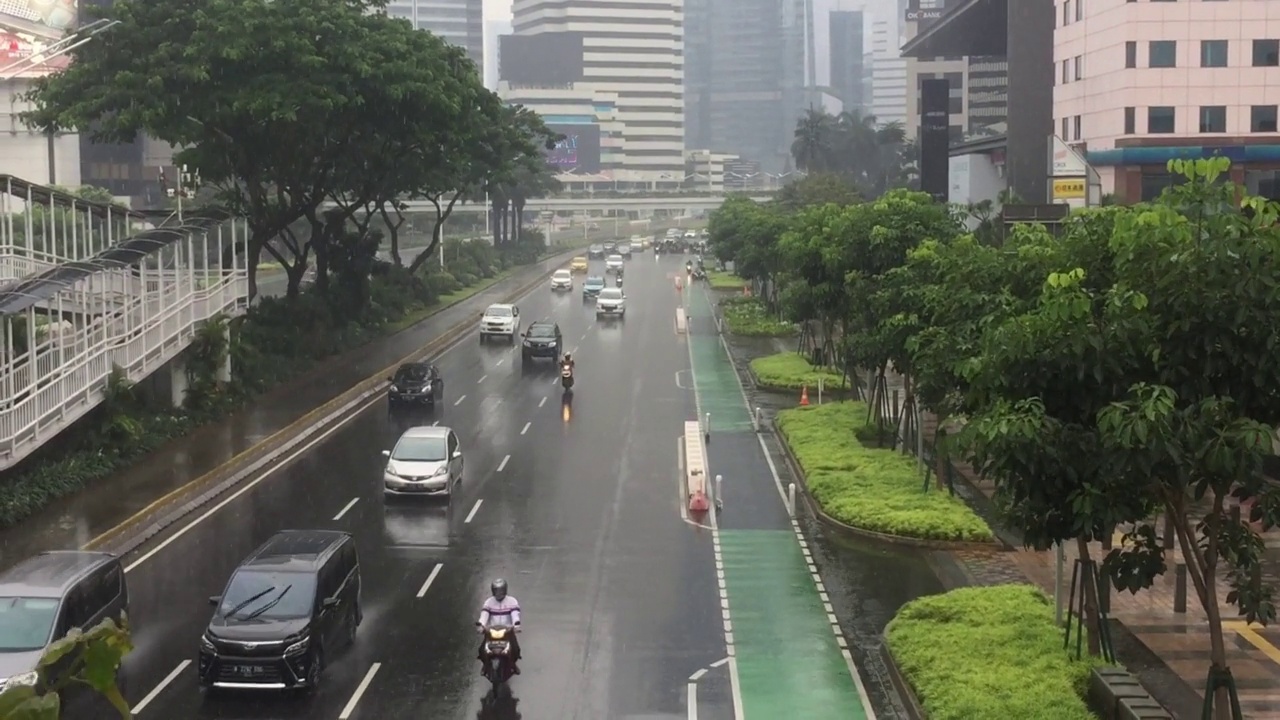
point(791, 372)
point(872, 492)
point(987, 653)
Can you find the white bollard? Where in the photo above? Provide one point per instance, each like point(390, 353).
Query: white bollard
point(820, 390)
point(759, 418)
point(719, 492)
point(791, 500)
point(706, 428)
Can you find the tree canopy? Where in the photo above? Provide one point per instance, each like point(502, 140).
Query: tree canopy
point(324, 112)
point(874, 156)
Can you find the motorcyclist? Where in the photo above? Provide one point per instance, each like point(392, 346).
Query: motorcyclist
point(688, 266)
point(500, 604)
point(567, 362)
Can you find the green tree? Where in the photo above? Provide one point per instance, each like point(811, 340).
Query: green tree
point(89, 658)
point(747, 233)
point(873, 156)
point(816, 189)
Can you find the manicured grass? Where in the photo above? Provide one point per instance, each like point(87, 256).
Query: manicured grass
point(747, 317)
point(988, 653)
point(720, 280)
point(871, 488)
point(792, 371)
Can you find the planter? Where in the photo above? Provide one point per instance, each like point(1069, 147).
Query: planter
point(915, 711)
point(834, 395)
point(863, 533)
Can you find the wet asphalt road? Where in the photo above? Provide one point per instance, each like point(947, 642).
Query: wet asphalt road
point(576, 504)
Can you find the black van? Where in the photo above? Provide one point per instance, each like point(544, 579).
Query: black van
point(286, 608)
point(45, 597)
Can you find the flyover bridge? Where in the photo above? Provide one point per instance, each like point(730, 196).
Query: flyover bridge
point(686, 203)
point(88, 287)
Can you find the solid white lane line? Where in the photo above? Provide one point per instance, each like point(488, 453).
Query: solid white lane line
point(458, 402)
point(499, 362)
point(430, 579)
point(435, 423)
point(525, 429)
point(584, 336)
point(693, 701)
point(482, 379)
point(359, 693)
point(502, 465)
point(155, 692)
point(345, 508)
point(251, 484)
point(542, 402)
point(474, 509)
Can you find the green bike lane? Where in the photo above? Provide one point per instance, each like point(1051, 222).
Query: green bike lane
point(790, 658)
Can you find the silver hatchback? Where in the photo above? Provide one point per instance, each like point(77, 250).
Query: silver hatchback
point(426, 462)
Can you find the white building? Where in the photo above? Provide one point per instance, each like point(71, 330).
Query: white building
point(460, 22)
point(888, 71)
point(632, 51)
point(493, 29)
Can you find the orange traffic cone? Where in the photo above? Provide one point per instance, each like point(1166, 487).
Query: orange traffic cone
point(804, 396)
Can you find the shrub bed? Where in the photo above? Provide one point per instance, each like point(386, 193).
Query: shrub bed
point(871, 488)
point(720, 280)
point(747, 316)
point(988, 653)
point(792, 371)
point(276, 340)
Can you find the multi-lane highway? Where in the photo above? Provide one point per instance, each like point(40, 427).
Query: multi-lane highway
point(576, 504)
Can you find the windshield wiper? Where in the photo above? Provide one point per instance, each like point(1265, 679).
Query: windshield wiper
point(269, 605)
point(249, 602)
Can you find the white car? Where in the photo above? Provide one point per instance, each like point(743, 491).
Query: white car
point(611, 302)
point(500, 319)
point(637, 245)
point(562, 280)
point(613, 263)
point(426, 462)
point(690, 235)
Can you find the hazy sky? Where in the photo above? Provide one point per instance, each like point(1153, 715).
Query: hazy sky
point(497, 9)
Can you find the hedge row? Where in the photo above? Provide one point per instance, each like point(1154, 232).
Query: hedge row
point(276, 340)
point(747, 316)
point(792, 371)
point(988, 653)
point(871, 488)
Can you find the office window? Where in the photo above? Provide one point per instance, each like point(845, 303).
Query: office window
point(1065, 127)
point(1213, 53)
point(1162, 54)
point(1075, 128)
point(1266, 53)
point(1066, 75)
point(1078, 64)
point(1131, 54)
point(1066, 13)
point(1160, 120)
point(1262, 118)
point(1213, 119)
point(1079, 9)
point(1130, 121)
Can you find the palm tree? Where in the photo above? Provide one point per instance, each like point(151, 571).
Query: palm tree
point(529, 182)
point(866, 153)
point(814, 141)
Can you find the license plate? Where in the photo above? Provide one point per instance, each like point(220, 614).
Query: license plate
point(250, 671)
point(498, 648)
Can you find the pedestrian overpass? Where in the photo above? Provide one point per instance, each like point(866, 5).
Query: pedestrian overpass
point(640, 203)
point(87, 287)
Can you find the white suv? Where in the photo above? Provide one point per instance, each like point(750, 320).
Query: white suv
point(611, 302)
point(500, 319)
point(562, 280)
point(613, 263)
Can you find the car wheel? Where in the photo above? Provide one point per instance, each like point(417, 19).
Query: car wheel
point(481, 338)
point(314, 669)
point(353, 621)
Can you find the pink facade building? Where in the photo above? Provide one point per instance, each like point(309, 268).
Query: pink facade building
point(1138, 82)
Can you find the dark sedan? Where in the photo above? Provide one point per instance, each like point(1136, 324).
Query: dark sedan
point(415, 384)
point(596, 252)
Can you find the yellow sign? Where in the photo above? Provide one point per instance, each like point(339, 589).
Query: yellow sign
point(1068, 188)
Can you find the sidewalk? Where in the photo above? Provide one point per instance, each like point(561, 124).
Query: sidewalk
point(74, 520)
point(1167, 650)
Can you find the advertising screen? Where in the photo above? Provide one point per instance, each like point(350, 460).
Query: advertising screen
point(545, 59)
point(578, 150)
point(28, 26)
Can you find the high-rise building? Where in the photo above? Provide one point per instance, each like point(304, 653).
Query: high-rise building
point(846, 55)
point(920, 14)
point(747, 67)
point(631, 50)
point(889, 69)
point(460, 22)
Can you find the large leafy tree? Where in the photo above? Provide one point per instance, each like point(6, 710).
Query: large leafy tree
point(90, 657)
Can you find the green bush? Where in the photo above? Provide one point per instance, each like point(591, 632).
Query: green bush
point(791, 371)
point(988, 653)
point(871, 488)
point(749, 318)
point(720, 280)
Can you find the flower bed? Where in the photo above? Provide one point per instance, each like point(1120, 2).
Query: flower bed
point(719, 280)
point(791, 371)
point(988, 653)
point(746, 316)
point(873, 489)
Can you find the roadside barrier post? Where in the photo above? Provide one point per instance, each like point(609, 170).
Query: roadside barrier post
point(719, 492)
point(791, 500)
point(759, 419)
point(820, 384)
point(706, 428)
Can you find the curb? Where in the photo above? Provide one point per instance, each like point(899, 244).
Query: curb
point(818, 512)
point(177, 503)
point(915, 711)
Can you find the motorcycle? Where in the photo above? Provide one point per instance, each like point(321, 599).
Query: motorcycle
point(617, 281)
point(700, 274)
point(498, 666)
point(566, 376)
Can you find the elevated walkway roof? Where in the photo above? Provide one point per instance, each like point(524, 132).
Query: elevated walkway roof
point(45, 195)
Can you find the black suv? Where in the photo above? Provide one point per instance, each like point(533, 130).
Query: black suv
point(596, 252)
point(286, 607)
point(542, 340)
point(415, 384)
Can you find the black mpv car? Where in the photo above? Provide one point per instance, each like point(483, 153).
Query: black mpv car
point(542, 340)
point(416, 384)
point(288, 606)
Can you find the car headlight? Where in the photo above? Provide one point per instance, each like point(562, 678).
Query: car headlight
point(440, 471)
point(207, 645)
point(393, 388)
point(26, 679)
point(298, 648)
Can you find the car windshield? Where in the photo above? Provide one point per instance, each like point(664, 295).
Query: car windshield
point(271, 595)
point(26, 623)
point(414, 373)
point(419, 449)
point(542, 331)
point(595, 280)
point(615, 257)
point(611, 294)
point(497, 312)
point(562, 274)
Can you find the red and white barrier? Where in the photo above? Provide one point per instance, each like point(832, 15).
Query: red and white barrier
point(695, 467)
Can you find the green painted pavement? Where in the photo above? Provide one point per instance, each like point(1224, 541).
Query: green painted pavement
point(789, 664)
point(714, 378)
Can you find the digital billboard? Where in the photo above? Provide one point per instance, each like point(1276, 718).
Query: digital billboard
point(542, 60)
point(577, 151)
point(28, 26)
